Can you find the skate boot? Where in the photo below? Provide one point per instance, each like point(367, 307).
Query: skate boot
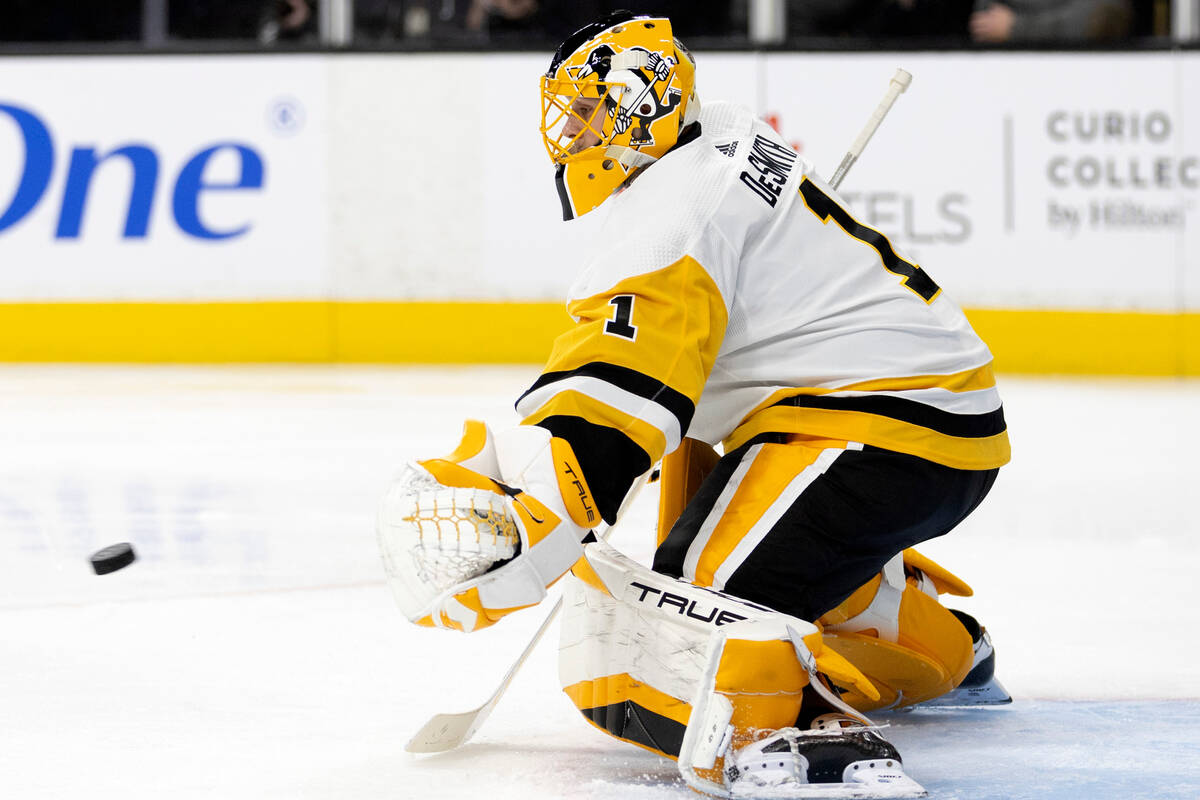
point(980, 687)
point(838, 758)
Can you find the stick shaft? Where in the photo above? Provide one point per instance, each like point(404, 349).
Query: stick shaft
point(900, 81)
point(447, 731)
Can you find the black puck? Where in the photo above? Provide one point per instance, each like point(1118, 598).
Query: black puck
point(112, 558)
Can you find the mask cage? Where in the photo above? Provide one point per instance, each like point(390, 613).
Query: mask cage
point(560, 106)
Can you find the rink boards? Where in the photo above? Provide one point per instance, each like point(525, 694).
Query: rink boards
point(400, 207)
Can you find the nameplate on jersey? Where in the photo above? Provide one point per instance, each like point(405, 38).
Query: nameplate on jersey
point(770, 165)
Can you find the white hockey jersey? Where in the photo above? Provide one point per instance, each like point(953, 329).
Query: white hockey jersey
point(729, 294)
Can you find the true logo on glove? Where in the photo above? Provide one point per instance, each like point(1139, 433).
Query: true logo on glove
point(581, 491)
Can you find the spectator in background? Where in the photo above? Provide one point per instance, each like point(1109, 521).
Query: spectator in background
point(1050, 21)
point(287, 20)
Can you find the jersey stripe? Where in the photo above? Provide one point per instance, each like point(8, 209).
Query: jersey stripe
point(955, 419)
point(977, 379)
point(620, 387)
point(969, 380)
point(981, 402)
point(641, 421)
point(631, 381)
point(981, 425)
point(962, 452)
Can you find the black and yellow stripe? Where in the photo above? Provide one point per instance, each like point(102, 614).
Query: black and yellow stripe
point(877, 412)
point(963, 441)
point(633, 711)
point(632, 723)
point(910, 412)
point(629, 380)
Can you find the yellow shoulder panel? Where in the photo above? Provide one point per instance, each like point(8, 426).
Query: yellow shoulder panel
point(669, 329)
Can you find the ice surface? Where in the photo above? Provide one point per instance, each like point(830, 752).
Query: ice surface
point(254, 651)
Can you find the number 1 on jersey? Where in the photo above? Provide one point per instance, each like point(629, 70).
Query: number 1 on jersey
point(825, 208)
point(622, 322)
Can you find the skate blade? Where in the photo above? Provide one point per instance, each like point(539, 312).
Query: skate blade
point(991, 693)
point(901, 787)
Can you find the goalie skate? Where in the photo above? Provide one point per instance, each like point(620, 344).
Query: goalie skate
point(980, 687)
point(831, 763)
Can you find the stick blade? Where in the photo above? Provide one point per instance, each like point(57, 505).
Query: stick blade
point(446, 731)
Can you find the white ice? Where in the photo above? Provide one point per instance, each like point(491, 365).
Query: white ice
point(254, 651)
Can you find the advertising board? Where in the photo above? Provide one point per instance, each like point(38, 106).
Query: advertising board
point(358, 199)
point(180, 178)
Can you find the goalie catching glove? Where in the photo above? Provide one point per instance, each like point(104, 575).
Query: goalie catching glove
point(484, 531)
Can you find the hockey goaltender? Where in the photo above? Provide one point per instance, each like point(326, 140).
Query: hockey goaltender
point(731, 299)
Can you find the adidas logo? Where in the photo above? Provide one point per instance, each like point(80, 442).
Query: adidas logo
point(727, 149)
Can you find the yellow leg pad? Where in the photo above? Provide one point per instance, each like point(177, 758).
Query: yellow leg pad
point(933, 652)
point(897, 672)
point(838, 668)
point(764, 681)
point(943, 579)
point(613, 689)
point(853, 605)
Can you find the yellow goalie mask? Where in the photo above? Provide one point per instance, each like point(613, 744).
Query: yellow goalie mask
point(616, 97)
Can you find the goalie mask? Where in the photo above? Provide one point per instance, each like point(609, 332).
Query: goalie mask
point(616, 96)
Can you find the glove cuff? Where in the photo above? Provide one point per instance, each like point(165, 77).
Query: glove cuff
point(545, 466)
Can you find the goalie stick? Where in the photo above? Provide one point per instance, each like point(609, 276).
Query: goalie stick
point(445, 732)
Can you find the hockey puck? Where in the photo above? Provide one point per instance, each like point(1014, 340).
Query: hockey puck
point(113, 558)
